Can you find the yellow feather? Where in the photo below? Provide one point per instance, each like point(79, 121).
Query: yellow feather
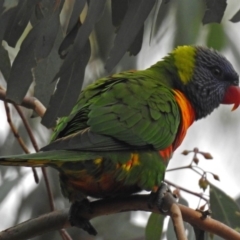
point(132, 162)
point(98, 161)
point(185, 62)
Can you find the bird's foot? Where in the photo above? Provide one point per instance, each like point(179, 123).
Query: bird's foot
point(163, 198)
point(75, 216)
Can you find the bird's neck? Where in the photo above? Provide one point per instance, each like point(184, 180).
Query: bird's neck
point(166, 72)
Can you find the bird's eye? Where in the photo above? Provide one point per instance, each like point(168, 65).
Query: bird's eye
point(216, 71)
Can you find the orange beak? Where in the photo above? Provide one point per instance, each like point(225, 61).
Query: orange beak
point(232, 96)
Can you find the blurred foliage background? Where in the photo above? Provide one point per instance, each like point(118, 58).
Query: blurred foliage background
point(169, 24)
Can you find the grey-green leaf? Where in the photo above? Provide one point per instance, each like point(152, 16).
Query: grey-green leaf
point(77, 9)
point(5, 64)
point(134, 19)
point(37, 45)
point(119, 9)
point(216, 36)
point(236, 17)
point(68, 89)
point(45, 72)
point(214, 11)
point(16, 27)
point(154, 227)
point(95, 11)
point(224, 208)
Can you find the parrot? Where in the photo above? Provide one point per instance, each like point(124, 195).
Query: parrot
point(124, 128)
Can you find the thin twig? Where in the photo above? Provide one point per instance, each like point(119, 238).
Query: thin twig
point(14, 130)
point(59, 219)
point(28, 128)
point(49, 192)
point(201, 174)
point(35, 145)
point(186, 167)
point(19, 139)
point(179, 168)
point(25, 123)
point(186, 190)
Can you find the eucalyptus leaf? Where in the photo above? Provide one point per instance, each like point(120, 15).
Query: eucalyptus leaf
point(133, 21)
point(95, 11)
point(45, 72)
point(77, 9)
point(216, 36)
point(119, 9)
point(68, 89)
point(21, 18)
point(154, 227)
point(236, 17)
point(8, 4)
point(36, 46)
point(214, 11)
point(7, 15)
point(5, 64)
point(187, 22)
point(224, 208)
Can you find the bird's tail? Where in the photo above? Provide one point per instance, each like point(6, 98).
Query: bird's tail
point(25, 160)
point(54, 157)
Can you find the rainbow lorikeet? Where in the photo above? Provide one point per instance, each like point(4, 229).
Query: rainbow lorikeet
point(124, 128)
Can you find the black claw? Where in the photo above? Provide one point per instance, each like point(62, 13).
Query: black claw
point(75, 218)
point(159, 198)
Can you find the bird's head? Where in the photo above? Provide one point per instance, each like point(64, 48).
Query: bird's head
point(206, 78)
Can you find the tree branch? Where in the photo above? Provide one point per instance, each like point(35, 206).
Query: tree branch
point(176, 216)
point(28, 102)
point(59, 219)
point(169, 203)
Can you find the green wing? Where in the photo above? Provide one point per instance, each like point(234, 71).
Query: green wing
point(130, 110)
